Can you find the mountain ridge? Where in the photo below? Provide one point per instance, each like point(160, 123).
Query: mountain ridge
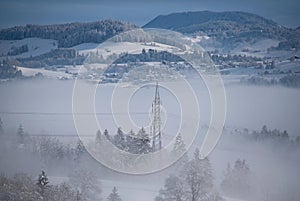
point(206, 17)
point(228, 28)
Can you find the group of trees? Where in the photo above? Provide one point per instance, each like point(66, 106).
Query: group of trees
point(193, 182)
point(9, 70)
point(151, 55)
point(17, 50)
point(68, 35)
point(289, 80)
point(60, 56)
point(48, 149)
point(237, 180)
point(274, 136)
point(23, 187)
point(139, 143)
point(233, 61)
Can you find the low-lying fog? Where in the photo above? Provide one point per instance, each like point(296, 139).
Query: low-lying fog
point(44, 107)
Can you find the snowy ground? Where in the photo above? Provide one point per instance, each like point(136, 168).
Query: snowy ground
point(36, 46)
point(127, 190)
point(46, 73)
point(257, 49)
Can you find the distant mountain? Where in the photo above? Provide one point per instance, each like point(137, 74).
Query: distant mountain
point(68, 35)
point(228, 28)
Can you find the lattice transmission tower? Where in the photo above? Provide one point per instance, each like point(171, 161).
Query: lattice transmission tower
point(155, 129)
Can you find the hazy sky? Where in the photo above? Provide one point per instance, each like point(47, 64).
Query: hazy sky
point(21, 12)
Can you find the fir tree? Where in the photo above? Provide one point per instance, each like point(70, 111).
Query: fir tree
point(79, 150)
point(114, 196)
point(119, 139)
point(178, 149)
point(131, 142)
point(179, 146)
point(143, 142)
point(106, 134)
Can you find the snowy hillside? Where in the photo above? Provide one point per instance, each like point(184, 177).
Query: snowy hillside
point(46, 73)
point(36, 46)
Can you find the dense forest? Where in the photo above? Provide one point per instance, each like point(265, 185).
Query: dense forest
point(68, 35)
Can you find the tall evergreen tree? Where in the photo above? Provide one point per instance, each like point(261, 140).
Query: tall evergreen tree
point(131, 142)
point(179, 146)
point(119, 139)
point(178, 149)
point(106, 134)
point(143, 142)
point(79, 149)
point(114, 196)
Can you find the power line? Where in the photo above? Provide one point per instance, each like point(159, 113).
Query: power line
point(83, 113)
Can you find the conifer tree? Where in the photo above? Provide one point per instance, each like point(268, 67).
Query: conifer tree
point(114, 196)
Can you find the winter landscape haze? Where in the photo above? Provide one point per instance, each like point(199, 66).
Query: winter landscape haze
point(183, 104)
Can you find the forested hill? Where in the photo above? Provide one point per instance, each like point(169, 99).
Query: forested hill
point(225, 27)
point(68, 35)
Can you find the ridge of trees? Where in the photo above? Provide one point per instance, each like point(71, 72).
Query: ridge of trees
point(69, 34)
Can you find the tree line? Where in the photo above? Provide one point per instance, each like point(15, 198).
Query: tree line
point(70, 34)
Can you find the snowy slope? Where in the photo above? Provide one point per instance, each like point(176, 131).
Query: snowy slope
point(36, 46)
point(111, 47)
point(85, 47)
point(257, 49)
point(46, 73)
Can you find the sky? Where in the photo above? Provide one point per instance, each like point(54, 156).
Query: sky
point(139, 12)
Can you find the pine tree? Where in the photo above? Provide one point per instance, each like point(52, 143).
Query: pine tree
point(79, 150)
point(143, 142)
point(114, 196)
point(106, 134)
point(178, 149)
point(131, 142)
point(42, 182)
point(179, 146)
point(119, 139)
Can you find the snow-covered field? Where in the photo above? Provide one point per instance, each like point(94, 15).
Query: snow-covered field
point(36, 46)
point(47, 73)
point(257, 49)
